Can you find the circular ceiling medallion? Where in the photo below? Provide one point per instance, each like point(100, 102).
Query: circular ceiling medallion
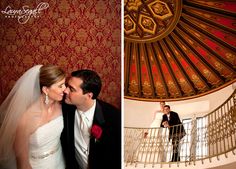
point(150, 20)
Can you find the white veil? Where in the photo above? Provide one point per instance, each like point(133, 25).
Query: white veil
point(23, 94)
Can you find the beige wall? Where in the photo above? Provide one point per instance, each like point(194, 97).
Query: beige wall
point(140, 113)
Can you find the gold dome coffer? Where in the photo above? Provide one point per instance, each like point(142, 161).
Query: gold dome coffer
point(150, 20)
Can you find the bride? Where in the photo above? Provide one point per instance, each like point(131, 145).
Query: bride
point(31, 121)
point(159, 135)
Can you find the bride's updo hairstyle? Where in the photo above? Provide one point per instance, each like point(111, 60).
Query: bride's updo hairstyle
point(50, 74)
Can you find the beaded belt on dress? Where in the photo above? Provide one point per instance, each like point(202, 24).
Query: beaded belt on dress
point(46, 154)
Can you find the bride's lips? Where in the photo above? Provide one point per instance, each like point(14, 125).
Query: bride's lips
point(61, 96)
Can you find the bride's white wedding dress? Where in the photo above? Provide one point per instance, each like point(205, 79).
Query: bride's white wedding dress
point(157, 120)
point(45, 147)
point(159, 137)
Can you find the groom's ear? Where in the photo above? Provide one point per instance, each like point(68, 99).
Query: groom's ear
point(90, 95)
point(45, 90)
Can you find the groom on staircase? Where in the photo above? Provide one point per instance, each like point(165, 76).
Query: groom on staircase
point(171, 120)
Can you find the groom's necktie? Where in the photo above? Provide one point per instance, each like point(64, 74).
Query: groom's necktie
point(84, 128)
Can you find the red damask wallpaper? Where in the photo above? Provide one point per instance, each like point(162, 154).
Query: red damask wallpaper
point(73, 34)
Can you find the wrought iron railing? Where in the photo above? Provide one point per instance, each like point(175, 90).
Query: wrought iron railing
point(205, 137)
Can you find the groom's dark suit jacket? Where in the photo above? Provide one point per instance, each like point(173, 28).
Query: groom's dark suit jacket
point(103, 154)
point(177, 131)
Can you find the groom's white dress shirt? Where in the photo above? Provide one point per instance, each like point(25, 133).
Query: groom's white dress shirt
point(82, 127)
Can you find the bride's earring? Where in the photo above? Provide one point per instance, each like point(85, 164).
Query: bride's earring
point(46, 99)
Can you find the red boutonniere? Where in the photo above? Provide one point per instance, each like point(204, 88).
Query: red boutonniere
point(96, 132)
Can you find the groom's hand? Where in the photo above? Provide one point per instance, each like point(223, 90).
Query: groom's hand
point(165, 124)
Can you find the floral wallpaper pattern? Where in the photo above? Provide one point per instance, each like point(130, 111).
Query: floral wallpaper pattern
point(74, 34)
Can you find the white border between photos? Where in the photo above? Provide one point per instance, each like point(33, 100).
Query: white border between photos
point(122, 84)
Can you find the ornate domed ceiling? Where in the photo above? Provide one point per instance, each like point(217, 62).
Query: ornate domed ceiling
point(177, 49)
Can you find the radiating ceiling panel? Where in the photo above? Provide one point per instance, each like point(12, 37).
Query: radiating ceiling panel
point(134, 74)
point(158, 79)
point(178, 49)
point(146, 84)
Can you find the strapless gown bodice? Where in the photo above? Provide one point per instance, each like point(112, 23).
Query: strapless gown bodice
point(45, 147)
point(157, 121)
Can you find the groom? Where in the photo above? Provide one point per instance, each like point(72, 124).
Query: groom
point(91, 138)
point(171, 120)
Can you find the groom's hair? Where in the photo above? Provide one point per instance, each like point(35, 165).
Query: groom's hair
point(91, 81)
point(167, 106)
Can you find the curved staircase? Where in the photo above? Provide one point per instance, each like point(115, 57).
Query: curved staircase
point(210, 142)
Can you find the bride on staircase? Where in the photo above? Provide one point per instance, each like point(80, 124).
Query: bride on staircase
point(158, 137)
point(31, 121)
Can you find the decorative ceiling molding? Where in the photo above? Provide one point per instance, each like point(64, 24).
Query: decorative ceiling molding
point(195, 57)
point(149, 21)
